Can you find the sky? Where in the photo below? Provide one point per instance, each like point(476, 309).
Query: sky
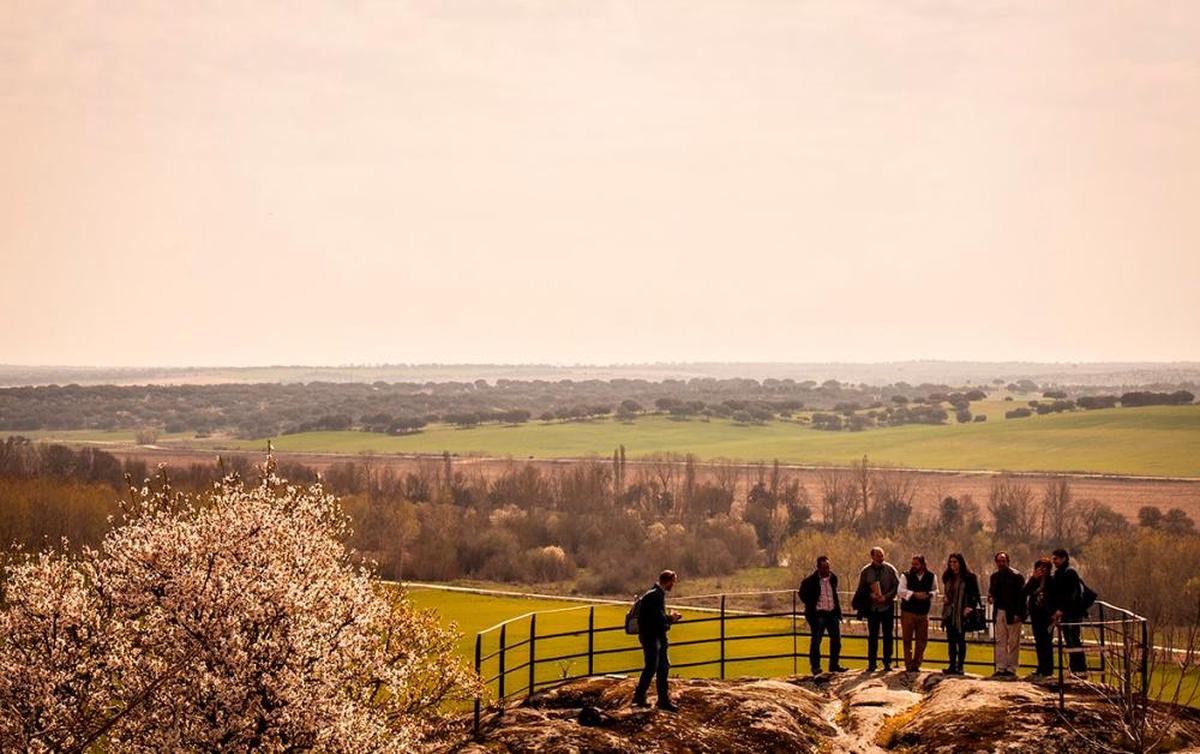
point(238, 183)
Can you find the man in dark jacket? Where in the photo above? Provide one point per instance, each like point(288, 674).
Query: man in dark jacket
point(1008, 609)
point(653, 623)
point(823, 611)
point(1066, 600)
point(879, 582)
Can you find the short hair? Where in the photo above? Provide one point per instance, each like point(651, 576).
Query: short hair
point(1004, 553)
point(920, 557)
point(666, 576)
point(878, 549)
point(1062, 553)
point(822, 558)
point(1042, 562)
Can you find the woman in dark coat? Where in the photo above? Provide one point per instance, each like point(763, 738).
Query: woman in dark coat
point(960, 599)
point(1038, 593)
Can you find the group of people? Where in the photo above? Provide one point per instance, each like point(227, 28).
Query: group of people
point(1052, 595)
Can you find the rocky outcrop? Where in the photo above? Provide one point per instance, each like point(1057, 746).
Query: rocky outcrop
point(856, 713)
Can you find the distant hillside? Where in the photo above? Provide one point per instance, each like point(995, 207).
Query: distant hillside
point(879, 373)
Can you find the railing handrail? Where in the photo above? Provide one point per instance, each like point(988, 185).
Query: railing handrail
point(724, 614)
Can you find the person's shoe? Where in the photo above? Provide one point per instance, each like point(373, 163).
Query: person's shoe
point(947, 671)
point(817, 671)
point(640, 702)
point(839, 669)
point(668, 706)
point(870, 668)
point(887, 667)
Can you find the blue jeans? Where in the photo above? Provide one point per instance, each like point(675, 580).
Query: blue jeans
point(654, 653)
point(824, 621)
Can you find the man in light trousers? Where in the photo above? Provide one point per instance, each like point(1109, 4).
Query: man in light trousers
point(1008, 603)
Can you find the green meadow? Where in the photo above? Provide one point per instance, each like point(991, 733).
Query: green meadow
point(1151, 441)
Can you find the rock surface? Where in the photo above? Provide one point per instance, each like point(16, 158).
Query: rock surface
point(856, 713)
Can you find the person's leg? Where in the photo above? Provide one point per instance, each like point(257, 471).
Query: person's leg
point(650, 664)
point(951, 650)
point(873, 623)
point(889, 634)
point(907, 623)
point(1044, 642)
point(835, 641)
point(1071, 637)
point(814, 645)
point(1013, 661)
point(1000, 645)
point(957, 644)
point(920, 640)
point(663, 670)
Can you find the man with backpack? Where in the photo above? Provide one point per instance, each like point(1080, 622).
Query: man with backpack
point(1070, 599)
point(653, 622)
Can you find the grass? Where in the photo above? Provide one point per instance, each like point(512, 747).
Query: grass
point(1151, 441)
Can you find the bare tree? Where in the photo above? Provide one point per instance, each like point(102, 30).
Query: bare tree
point(1058, 512)
point(1010, 504)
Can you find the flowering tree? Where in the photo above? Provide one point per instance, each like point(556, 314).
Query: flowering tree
point(232, 620)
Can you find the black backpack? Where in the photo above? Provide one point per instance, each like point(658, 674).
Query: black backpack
point(631, 617)
point(1087, 597)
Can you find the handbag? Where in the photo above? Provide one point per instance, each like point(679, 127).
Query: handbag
point(974, 621)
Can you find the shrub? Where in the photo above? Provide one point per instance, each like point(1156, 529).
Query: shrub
point(231, 620)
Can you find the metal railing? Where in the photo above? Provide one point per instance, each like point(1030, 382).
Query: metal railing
point(545, 658)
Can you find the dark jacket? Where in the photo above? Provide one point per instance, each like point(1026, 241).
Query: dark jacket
point(1038, 600)
point(1064, 592)
point(810, 592)
point(1005, 589)
point(653, 622)
point(971, 597)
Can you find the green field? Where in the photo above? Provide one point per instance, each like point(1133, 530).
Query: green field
point(1152, 441)
point(620, 653)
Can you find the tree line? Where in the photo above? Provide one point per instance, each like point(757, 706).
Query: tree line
point(590, 523)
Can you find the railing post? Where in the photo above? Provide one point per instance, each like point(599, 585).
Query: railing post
point(794, 665)
point(722, 637)
point(503, 672)
point(591, 640)
point(532, 651)
point(478, 655)
point(1062, 697)
point(1103, 651)
point(1145, 659)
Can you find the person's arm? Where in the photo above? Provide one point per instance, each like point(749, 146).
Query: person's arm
point(890, 594)
point(933, 590)
point(903, 590)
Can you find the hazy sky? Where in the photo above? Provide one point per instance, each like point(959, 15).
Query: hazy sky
point(350, 182)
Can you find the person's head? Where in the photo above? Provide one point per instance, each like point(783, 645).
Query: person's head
point(667, 579)
point(956, 565)
point(1002, 561)
point(823, 566)
point(1061, 558)
point(877, 555)
point(1041, 567)
point(918, 563)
